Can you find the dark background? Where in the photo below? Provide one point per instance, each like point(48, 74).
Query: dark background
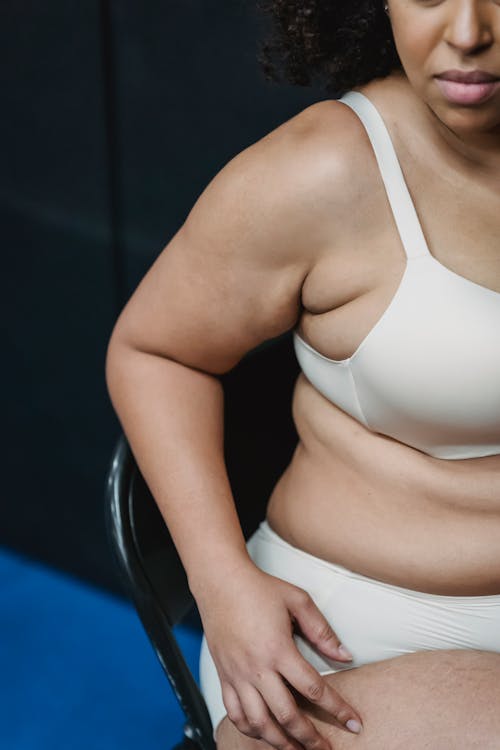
point(115, 117)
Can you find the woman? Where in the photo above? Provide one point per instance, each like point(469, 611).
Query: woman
point(382, 533)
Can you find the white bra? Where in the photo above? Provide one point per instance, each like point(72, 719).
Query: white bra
point(428, 372)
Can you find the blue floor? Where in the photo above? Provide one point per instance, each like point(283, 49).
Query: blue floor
point(76, 669)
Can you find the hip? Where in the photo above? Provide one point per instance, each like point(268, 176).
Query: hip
point(377, 620)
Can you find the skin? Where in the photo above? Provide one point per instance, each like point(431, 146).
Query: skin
point(272, 243)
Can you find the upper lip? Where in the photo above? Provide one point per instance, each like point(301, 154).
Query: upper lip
point(470, 76)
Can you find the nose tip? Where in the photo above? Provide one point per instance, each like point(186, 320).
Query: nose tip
point(470, 28)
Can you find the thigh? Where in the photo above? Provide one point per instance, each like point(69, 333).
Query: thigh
point(437, 700)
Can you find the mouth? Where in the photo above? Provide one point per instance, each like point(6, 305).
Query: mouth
point(471, 76)
point(467, 88)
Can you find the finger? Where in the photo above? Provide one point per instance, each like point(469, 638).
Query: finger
point(233, 706)
point(260, 722)
point(288, 715)
point(309, 683)
point(316, 627)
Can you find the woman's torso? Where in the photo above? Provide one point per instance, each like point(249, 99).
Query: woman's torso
point(353, 496)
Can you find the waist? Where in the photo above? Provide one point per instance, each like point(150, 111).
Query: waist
point(377, 620)
point(335, 448)
point(266, 534)
point(391, 523)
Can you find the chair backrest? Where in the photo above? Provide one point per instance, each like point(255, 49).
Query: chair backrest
point(259, 440)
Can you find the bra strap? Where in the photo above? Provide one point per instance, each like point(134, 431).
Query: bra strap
point(402, 206)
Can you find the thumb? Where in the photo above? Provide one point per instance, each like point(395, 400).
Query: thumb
point(316, 628)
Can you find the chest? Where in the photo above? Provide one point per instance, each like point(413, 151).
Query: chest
point(353, 283)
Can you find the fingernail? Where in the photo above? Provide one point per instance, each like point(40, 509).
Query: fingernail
point(343, 651)
point(354, 726)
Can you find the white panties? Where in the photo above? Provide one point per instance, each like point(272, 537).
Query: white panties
point(375, 620)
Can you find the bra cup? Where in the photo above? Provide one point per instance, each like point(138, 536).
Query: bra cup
point(428, 372)
point(430, 375)
point(333, 380)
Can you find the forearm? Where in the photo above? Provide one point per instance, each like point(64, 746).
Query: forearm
point(172, 416)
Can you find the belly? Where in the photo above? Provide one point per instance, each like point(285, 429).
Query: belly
point(384, 509)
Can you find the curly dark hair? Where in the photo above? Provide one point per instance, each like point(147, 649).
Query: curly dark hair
point(343, 43)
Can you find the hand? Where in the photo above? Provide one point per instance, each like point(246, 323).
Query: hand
point(248, 623)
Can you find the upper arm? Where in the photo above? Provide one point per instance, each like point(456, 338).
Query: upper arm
point(231, 276)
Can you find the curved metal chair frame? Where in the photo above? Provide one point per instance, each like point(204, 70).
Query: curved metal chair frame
point(156, 582)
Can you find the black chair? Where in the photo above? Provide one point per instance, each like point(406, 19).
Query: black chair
point(259, 441)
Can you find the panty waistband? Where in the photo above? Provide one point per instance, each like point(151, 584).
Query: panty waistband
point(267, 534)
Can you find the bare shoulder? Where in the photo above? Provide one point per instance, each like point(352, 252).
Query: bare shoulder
point(333, 143)
point(341, 162)
point(294, 181)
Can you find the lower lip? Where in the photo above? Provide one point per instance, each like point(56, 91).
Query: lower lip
point(467, 93)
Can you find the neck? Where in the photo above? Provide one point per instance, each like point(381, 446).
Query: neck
point(474, 144)
point(468, 139)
